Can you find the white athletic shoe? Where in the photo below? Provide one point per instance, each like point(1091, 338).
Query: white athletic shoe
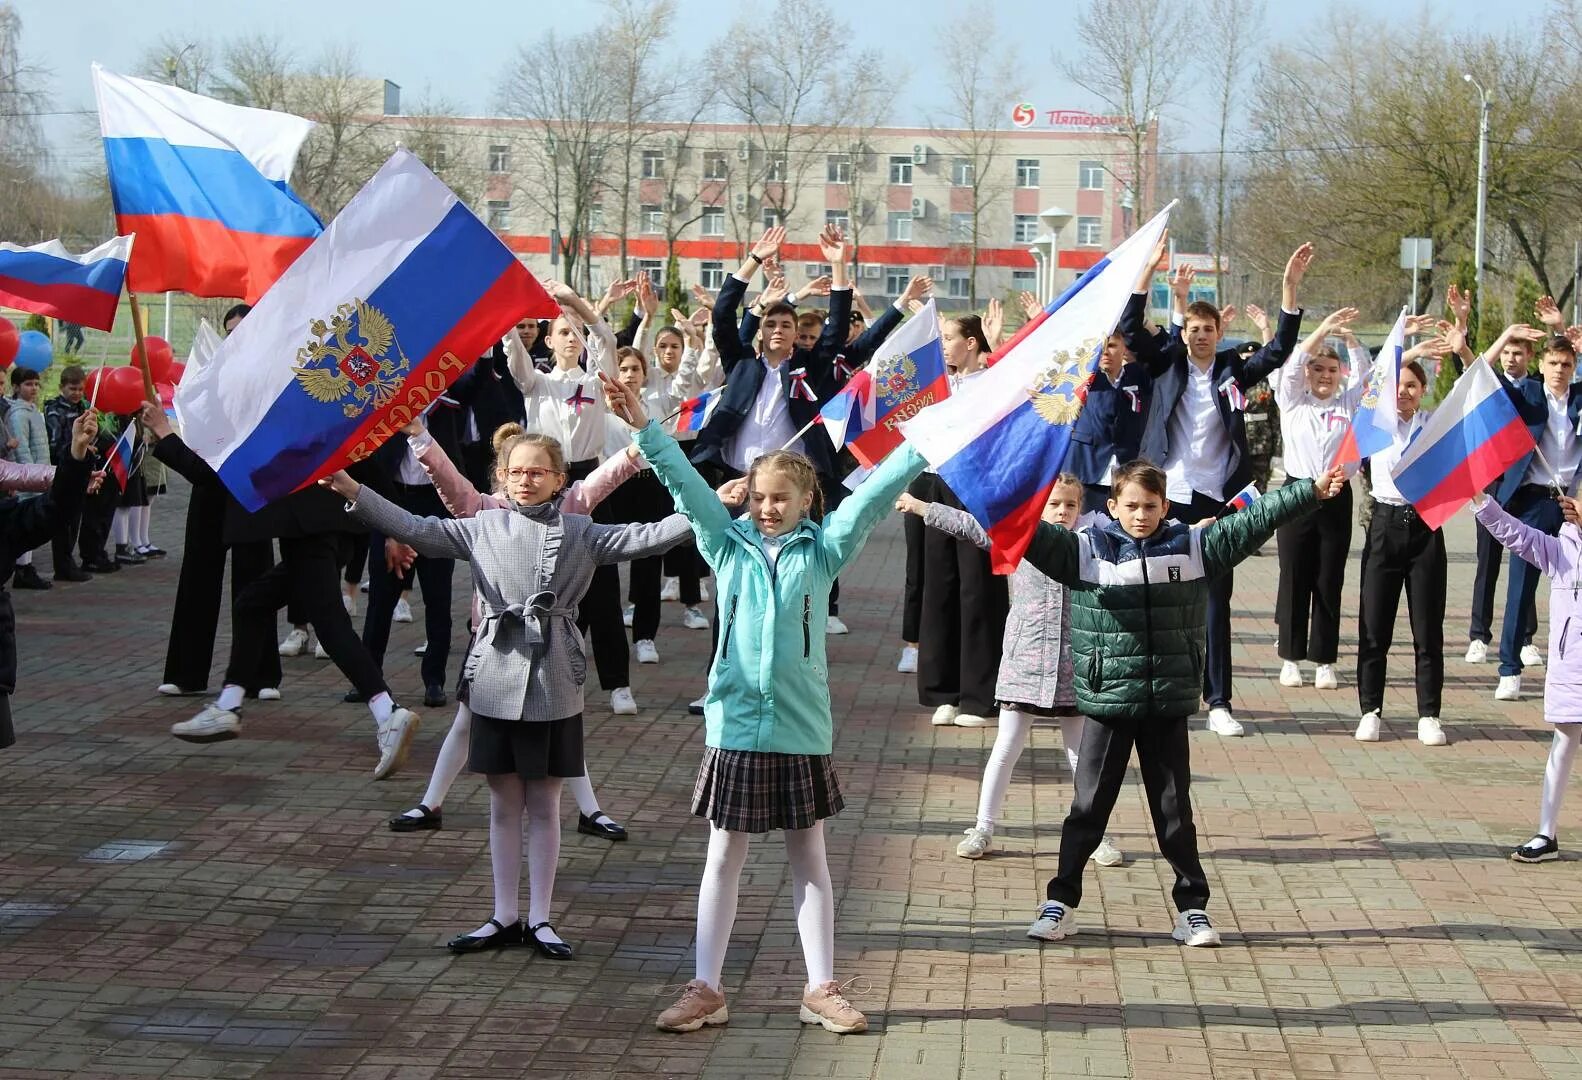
point(421, 649)
point(979, 842)
point(646, 653)
point(693, 619)
point(1510, 688)
point(695, 708)
point(319, 652)
point(944, 716)
point(834, 625)
point(622, 703)
point(269, 693)
point(1325, 678)
point(394, 738)
point(295, 644)
point(627, 614)
point(1221, 722)
point(1107, 854)
point(213, 724)
point(348, 603)
point(1477, 652)
point(1054, 922)
point(170, 689)
point(908, 664)
point(1429, 731)
point(1531, 657)
point(1290, 673)
point(1368, 727)
point(965, 719)
point(403, 611)
point(703, 590)
point(1194, 929)
point(671, 589)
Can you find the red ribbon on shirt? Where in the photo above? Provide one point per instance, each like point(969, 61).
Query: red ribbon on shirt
point(843, 370)
point(799, 386)
point(1137, 399)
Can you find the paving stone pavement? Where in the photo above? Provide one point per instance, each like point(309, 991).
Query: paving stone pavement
point(240, 910)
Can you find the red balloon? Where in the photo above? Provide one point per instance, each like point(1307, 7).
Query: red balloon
point(119, 389)
point(167, 394)
point(10, 342)
point(177, 370)
point(160, 357)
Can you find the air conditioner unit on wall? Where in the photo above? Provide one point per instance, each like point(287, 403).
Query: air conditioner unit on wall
point(919, 209)
point(812, 270)
point(870, 271)
point(744, 150)
point(919, 154)
point(740, 202)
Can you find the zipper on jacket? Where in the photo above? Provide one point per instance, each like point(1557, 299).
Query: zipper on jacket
point(730, 623)
point(1563, 630)
point(1148, 627)
point(807, 626)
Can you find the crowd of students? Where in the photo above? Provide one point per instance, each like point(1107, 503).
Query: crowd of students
point(556, 457)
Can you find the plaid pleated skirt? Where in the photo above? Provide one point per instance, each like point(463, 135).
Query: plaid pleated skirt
point(752, 792)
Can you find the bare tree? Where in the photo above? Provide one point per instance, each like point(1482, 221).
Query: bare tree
point(348, 145)
point(255, 70)
point(31, 206)
point(1234, 28)
point(1130, 60)
point(425, 129)
point(174, 58)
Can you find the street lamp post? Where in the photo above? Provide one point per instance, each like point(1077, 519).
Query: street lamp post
point(1483, 184)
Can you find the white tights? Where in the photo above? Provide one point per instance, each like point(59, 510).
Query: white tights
point(130, 526)
point(1008, 746)
point(811, 893)
point(1561, 753)
point(453, 758)
point(510, 799)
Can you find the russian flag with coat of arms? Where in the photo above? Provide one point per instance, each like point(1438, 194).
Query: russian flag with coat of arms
point(366, 330)
point(906, 375)
point(1000, 440)
point(1373, 424)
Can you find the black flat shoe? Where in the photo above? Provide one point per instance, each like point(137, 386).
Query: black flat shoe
point(433, 696)
point(608, 829)
point(502, 938)
point(554, 950)
point(355, 697)
point(430, 819)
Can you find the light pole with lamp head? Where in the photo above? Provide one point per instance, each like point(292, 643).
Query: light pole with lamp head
point(1483, 184)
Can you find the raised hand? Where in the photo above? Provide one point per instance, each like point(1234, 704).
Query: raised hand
point(910, 504)
point(819, 286)
point(154, 419)
point(1459, 303)
point(916, 290)
point(342, 484)
point(773, 293)
point(624, 402)
point(993, 323)
point(704, 298)
point(646, 297)
point(1296, 266)
point(1227, 314)
point(732, 493)
point(84, 430)
point(831, 244)
point(1548, 313)
point(768, 245)
point(1029, 304)
point(691, 331)
point(1429, 346)
point(1454, 334)
point(1335, 321)
point(1419, 324)
point(1259, 318)
point(1181, 279)
point(1331, 483)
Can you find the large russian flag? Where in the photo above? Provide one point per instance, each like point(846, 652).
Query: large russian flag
point(906, 375)
point(405, 289)
point(205, 186)
point(1373, 424)
point(1000, 440)
point(49, 280)
point(1471, 439)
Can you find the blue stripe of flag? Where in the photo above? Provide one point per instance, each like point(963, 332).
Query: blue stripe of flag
point(151, 176)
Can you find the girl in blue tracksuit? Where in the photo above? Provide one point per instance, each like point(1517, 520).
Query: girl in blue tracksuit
point(767, 713)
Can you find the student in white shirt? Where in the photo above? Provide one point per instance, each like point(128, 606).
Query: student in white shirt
point(695, 370)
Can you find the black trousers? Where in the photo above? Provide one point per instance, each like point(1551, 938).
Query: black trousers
point(964, 609)
point(1165, 761)
point(642, 499)
point(1402, 552)
point(433, 577)
point(688, 568)
point(599, 614)
point(1216, 662)
point(1313, 554)
point(88, 531)
point(195, 618)
point(307, 576)
point(477, 464)
point(914, 531)
point(1484, 588)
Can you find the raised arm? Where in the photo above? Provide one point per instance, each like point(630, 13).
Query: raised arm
point(519, 362)
point(583, 495)
point(957, 523)
point(624, 543)
point(455, 490)
point(1233, 538)
point(1545, 552)
point(438, 538)
point(726, 333)
point(19, 477)
point(847, 529)
point(693, 496)
point(1056, 552)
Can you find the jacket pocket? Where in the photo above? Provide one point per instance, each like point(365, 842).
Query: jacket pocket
point(730, 624)
point(1095, 671)
point(807, 626)
point(1562, 646)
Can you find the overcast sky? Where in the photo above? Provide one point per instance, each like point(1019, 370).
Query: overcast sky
point(458, 48)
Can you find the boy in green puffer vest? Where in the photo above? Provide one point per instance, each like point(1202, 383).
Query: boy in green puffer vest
point(1139, 589)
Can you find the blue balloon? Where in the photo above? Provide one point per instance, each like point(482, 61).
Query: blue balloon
point(33, 351)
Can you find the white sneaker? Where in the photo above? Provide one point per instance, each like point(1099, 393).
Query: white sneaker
point(979, 842)
point(421, 649)
point(170, 689)
point(1107, 854)
point(1429, 732)
point(213, 724)
point(834, 625)
point(693, 619)
point(269, 693)
point(944, 716)
point(622, 703)
point(349, 603)
point(1290, 674)
point(908, 664)
point(1194, 929)
point(1477, 652)
point(362, 586)
point(964, 719)
point(1510, 688)
point(695, 708)
point(319, 652)
point(1324, 678)
point(703, 589)
point(671, 589)
point(626, 615)
point(394, 739)
point(1531, 657)
point(295, 644)
point(646, 653)
point(403, 611)
point(1221, 722)
point(1368, 727)
point(1054, 922)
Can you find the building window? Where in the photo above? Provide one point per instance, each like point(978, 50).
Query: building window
point(957, 285)
point(1024, 280)
point(900, 226)
point(1024, 228)
point(499, 215)
point(596, 217)
point(713, 221)
point(1089, 232)
point(651, 219)
point(961, 228)
point(712, 274)
point(772, 217)
point(1026, 172)
point(838, 168)
point(841, 219)
point(499, 158)
point(714, 167)
point(653, 164)
point(1090, 175)
point(896, 279)
point(654, 268)
point(438, 158)
point(962, 172)
point(775, 171)
point(900, 170)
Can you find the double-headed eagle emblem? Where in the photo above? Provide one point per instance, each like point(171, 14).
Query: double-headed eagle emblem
point(355, 355)
point(894, 375)
point(1060, 387)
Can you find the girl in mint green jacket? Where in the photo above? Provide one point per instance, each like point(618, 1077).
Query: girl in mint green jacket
point(767, 761)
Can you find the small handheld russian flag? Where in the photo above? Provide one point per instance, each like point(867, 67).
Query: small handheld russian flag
point(695, 412)
point(119, 462)
point(1243, 498)
point(1234, 396)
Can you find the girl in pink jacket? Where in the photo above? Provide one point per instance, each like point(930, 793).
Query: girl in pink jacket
point(1560, 560)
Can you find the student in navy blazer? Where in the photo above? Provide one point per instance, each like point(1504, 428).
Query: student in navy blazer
point(1109, 431)
point(1550, 405)
point(1200, 392)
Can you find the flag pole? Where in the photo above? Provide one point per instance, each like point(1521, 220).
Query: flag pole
point(807, 427)
point(149, 393)
point(104, 358)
